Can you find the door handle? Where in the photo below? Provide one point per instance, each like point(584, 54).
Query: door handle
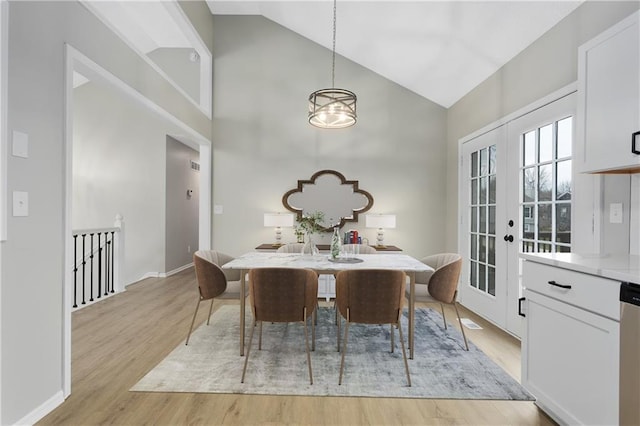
point(565, 286)
point(508, 238)
point(522, 299)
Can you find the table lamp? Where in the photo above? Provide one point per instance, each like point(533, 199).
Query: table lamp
point(380, 221)
point(278, 220)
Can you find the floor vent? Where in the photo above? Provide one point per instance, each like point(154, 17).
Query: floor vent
point(470, 324)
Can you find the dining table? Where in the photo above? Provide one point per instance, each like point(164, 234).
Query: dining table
point(322, 264)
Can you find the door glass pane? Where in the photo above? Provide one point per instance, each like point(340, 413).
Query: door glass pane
point(474, 247)
point(473, 275)
point(545, 178)
point(483, 190)
point(492, 189)
point(484, 162)
point(529, 149)
point(528, 222)
point(563, 223)
point(544, 222)
point(474, 191)
point(483, 219)
point(544, 248)
point(491, 281)
point(491, 251)
point(565, 137)
point(546, 143)
point(563, 249)
point(563, 180)
point(482, 277)
point(492, 220)
point(474, 164)
point(492, 159)
point(474, 219)
point(529, 184)
point(482, 249)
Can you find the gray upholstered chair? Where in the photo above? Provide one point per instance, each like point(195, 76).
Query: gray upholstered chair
point(214, 282)
point(282, 295)
point(441, 285)
point(290, 248)
point(371, 296)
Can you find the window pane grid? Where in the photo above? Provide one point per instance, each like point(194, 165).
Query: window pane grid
point(482, 211)
point(545, 173)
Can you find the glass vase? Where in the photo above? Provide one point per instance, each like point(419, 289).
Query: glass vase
point(335, 244)
point(309, 248)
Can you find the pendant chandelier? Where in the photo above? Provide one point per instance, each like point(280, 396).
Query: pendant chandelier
point(332, 108)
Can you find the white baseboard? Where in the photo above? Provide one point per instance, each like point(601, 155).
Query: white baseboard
point(41, 411)
point(175, 271)
point(163, 274)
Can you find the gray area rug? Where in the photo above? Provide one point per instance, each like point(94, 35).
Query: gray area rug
point(441, 368)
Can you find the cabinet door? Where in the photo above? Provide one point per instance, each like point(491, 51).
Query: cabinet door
point(609, 98)
point(570, 361)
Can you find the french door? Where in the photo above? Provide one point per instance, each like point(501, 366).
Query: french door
point(515, 196)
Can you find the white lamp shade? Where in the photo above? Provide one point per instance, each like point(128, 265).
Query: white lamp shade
point(380, 221)
point(283, 220)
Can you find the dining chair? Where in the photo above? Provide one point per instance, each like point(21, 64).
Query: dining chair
point(290, 248)
point(361, 248)
point(441, 285)
point(214, 282)
point(371, 296)
point(282, 295)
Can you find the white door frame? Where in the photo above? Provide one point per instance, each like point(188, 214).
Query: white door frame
point(75, 60)
point(566, 90)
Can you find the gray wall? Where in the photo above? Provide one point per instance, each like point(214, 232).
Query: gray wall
point(263, 75)
point(181, 230)
point(119, 166)
point(175, 62)
point(32, 257)
point(549, 64)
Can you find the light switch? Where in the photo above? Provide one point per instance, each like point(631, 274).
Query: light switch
point(20, 146)
point(615, 213)
point(20, 203)
point(217, 209)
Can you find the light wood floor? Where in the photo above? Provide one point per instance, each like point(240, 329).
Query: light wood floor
point(118, 340)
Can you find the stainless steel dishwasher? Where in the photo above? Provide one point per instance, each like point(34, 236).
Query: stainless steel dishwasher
point(629, 354)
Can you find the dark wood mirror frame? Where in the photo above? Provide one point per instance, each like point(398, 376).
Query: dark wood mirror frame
point(288, 199)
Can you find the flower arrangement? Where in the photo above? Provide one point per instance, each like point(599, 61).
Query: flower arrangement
point(310, 223)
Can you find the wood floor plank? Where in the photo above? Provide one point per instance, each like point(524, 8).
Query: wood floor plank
point(118, 340)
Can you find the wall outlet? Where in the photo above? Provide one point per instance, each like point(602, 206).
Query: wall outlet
point(615, 213)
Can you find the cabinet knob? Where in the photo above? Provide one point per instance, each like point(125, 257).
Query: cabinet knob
point(635, 143)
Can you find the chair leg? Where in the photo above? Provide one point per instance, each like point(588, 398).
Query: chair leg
point(210, 309)
point(259, 337)
point(338, 321)
point(306, 343)
point(314, 322)
point(443, 318)
point(466, 345)
point(192, 321)
point(246, 357)
point(404, 353)
point(344, 350)
point(392, 339)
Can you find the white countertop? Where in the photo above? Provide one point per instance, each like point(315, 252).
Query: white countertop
point(620, 267)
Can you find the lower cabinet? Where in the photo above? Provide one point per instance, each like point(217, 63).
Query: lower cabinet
point(570, 358)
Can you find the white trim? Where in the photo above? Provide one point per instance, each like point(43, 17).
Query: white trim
point(74, 59)
point(45, 408)
point(175, 271)
point(204, 54)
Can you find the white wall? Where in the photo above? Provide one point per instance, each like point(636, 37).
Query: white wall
point(119, 166)
point(547, 65)
point(181, 230)
point(32, 257)
point(263, 75)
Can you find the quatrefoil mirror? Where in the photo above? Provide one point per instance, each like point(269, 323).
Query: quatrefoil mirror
point(328, 191)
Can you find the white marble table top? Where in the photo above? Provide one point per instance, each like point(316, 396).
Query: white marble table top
point(321, 262)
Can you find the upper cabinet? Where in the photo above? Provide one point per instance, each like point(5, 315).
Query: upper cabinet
point(609, 101)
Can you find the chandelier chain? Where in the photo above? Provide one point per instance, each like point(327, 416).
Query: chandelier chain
point(333, 61)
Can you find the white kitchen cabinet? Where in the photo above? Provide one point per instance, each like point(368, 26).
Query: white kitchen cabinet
point(570, 347)
point(609, 100)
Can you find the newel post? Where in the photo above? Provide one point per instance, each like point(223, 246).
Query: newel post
point(118, 255)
